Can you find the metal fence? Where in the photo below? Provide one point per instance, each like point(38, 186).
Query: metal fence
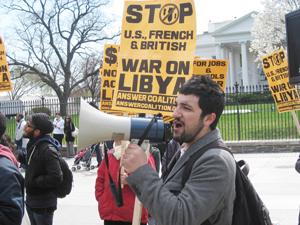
point(49, 106)
point(250, 114)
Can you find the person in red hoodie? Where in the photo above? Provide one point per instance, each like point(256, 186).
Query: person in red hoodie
point(108, 210)
point(11, 182)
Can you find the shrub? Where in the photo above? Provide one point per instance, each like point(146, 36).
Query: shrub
point(41, 109)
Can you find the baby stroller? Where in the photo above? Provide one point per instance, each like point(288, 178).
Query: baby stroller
point(84, 158)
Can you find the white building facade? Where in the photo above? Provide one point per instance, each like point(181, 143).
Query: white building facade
point(231, 40)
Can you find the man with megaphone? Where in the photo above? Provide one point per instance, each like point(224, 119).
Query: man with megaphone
point(209, 193)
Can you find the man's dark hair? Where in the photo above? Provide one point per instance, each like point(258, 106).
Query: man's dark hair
point(211, 96)
point(5, 140)
point(70, 119)
point(2, 123)
point(20, 115)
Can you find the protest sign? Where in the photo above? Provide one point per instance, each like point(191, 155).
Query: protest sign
point(156, 55)
point(276, 69)
point(216, 68)
point(108, 80)
point(5, 82)
point(108, 76)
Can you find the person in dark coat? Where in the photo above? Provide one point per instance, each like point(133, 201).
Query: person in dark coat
point(69, 127)
point(43, 172)
point(11, 182)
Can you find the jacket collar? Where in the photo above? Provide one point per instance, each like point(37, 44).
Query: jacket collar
point(200, 143)
point(33, 142)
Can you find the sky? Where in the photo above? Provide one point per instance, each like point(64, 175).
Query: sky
point(213, 10)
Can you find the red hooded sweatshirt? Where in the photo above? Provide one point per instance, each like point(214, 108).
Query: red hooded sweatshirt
point(5, 151)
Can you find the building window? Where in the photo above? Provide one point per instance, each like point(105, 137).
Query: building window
point(262, 76)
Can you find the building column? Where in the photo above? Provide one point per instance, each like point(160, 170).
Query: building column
point(231, 69)
point(218, 51)
point(244, 64)
point(223, 53)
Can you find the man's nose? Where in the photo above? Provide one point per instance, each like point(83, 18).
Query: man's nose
point(176, 112)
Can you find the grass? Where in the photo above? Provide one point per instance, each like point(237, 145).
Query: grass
point(11, 127)
point(262, 123)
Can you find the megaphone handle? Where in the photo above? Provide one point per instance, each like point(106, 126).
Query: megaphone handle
point(123, 147)
point(137, 212)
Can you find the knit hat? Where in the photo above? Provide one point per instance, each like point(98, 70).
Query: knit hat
point(42, 122)
point(2, 123)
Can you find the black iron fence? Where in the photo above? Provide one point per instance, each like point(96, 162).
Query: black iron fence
point(49, 106)
point(250, 114)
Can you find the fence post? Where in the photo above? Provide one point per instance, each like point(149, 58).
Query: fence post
point(43, 104)
point(237, 107)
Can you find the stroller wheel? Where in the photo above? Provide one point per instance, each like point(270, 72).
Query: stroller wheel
point(73, 168)
point(78, 167)
point(92, 167)
point(87, 168)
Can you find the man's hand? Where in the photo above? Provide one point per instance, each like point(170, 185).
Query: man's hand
point(123, 177)
point(134, 157)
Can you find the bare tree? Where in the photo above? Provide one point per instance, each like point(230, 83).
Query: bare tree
point(22, 84)
point(54, 36)
point(92, 84)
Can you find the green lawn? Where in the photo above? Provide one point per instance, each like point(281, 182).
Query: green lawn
point(11, 126)
point(262, 123)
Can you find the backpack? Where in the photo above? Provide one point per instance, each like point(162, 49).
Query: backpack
point(248, 207)
point(65, 187)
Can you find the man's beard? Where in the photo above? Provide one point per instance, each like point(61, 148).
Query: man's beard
point(189, 137)
point(29, 135)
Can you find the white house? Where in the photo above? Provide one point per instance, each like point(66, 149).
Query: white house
point(231, 40)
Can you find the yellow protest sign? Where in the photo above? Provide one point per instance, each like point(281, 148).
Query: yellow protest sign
point(167, 119)
point(156, 55)
point(276, 69)
point(5, 82)
point(108, 76)
point(216, 68)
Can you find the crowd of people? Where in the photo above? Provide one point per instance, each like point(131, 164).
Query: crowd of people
point(203, 199)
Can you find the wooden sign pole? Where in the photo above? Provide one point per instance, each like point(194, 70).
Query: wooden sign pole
point(137, 213)
point(296, 121)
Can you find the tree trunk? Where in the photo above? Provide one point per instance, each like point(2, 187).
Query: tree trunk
point(63, 102)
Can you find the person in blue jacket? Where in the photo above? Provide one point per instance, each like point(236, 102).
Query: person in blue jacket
point(11, 182)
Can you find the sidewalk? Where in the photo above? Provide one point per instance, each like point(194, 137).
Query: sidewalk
point(272, 174)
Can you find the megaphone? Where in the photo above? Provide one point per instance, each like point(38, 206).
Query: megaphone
point(96, 126)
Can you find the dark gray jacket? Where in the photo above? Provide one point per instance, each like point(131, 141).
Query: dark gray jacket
point(208, 194)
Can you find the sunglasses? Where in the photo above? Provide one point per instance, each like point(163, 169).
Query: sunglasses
point(30, 126)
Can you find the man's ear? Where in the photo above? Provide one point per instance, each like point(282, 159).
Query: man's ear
point(209, 119)
point(37, 133)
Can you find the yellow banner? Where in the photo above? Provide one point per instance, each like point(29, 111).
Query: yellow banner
point(5, 82)
point(216, 68)
point(156, 55)
point(108, 76)
point(276, 69)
